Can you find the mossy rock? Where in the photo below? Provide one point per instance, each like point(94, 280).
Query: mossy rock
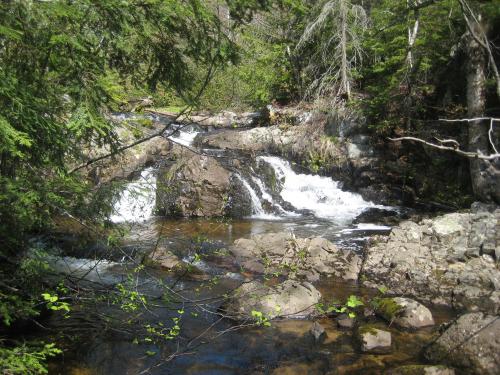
point(387, 308)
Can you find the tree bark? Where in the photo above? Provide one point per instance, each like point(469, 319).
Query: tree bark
point(345, 84)
point(485, 175)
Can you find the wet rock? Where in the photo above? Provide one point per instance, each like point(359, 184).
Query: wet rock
point(163, 258)
point(471, 343)
point(291, 299)
point(421, 370)
point(447, 260)
point(404, 312)
point(318, 332)
point(305, 257)
point(378, 216)
point(199, 186)
point(129, 162)
point(343, 321)
point(374, 340)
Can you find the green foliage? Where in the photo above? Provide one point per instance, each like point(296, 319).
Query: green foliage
point(260, 319)
point(54, 304)
point(26, 359)
point(350, 307)
point(266, 69)
point(63, 65)
point(399, 92)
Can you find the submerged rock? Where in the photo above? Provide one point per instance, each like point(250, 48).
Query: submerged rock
point(343, 321)
point(290, 299)
point(471, 343)
point(306, 257)
point(421, 370)
point(374, 340)
point(163, 258)
point(447, 260)
point(318, 332)
point(404, 312)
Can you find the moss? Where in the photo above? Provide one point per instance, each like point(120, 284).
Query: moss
point(387, 308)
point(146, 122)
point(368, 328)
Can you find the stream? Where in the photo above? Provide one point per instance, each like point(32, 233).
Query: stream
point(307, 205)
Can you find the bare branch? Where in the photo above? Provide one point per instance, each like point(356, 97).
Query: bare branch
point(467, 154)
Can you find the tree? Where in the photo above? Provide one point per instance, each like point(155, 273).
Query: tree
point(332, 43)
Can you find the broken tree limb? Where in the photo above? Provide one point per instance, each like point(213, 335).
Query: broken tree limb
point(467, 154)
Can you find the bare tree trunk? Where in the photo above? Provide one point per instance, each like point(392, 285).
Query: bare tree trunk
point(412, 38)
point(344, 80)
point(485, 176)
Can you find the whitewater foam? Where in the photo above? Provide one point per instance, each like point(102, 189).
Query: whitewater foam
point(320, 195)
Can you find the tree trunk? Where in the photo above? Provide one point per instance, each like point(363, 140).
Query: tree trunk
point(485, 176)
point(345, 84)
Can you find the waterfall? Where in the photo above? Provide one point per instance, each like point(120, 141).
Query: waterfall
point(258, 210)
point(265, 195)
point(320, 195)
point(137, 200)
point(185, 136)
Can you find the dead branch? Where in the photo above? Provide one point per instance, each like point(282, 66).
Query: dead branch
point(467, 154)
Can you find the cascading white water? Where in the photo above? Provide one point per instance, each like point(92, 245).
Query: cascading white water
point(321, 195)
point(258, 210)
point(137, 201)
point(185, 136)
point(266, 196)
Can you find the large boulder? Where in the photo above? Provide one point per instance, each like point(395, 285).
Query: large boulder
point(472, 343)
point(451, 259)
point(291, 299)
point(199, 186)
point(305, 257)
point(404, 312)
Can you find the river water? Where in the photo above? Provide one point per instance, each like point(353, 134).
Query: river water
point(307, 205)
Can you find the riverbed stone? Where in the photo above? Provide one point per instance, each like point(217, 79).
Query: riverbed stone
point(306, 258)
point(446, 260)
point(374, 340)
point(472, 343)
point(318, 332)
point(404, 312)
point(164, 258)
point(421, 370)
point(290, 299)
point(344, 321)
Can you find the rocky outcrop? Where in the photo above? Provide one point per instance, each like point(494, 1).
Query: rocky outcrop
point(125, 164)
point(310, 139)
point(224, 119)
point(404, 312)
point(199, 186)
point(303, 257)
point(452, 259)
point(472, 343)
point(291, 299)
